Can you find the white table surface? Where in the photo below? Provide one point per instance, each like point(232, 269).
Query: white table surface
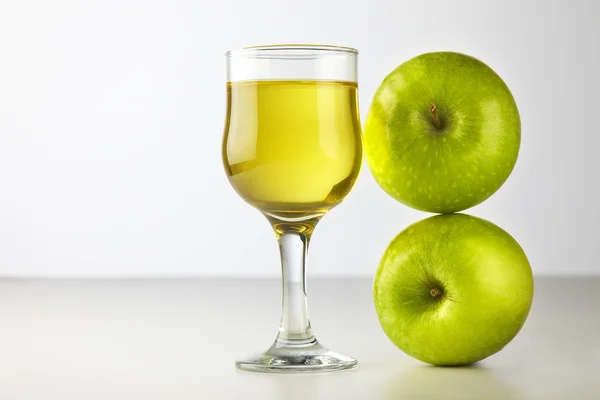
point(178, 339)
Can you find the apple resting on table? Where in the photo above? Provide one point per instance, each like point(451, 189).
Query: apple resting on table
point(453, 289)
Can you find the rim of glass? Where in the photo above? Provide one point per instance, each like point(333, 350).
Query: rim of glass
point(291, 51)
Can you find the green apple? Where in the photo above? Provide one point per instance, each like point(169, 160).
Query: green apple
point(453, 289)
point(443, 132)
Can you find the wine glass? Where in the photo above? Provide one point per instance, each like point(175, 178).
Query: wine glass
point(292, 149)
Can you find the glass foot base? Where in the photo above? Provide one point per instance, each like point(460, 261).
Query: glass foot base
point(315, 358)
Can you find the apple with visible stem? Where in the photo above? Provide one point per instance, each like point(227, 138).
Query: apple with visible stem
point(453, 289)
point(443, 132)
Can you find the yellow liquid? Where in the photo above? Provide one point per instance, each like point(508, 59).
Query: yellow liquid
point(292, 149)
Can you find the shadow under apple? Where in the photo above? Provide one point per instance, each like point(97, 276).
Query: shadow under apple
point(472, 382)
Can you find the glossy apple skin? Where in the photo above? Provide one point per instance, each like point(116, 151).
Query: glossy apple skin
point(455, 165)
point(481, 279)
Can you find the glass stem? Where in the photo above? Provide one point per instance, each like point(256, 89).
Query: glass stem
point(295, 330)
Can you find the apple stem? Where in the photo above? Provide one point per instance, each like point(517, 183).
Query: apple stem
point(435, 292)
point(436, 118)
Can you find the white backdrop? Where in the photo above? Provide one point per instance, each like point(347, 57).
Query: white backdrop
point(112, 111)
